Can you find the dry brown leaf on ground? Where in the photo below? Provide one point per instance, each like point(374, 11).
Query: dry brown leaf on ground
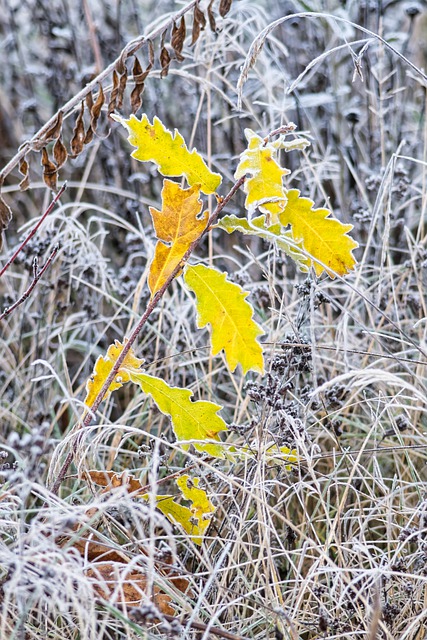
point(111, 480)
point(110, 572)
point(114, 582)
point(95, 551)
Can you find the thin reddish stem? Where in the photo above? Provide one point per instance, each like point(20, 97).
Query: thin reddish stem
point(34, 229)
point(37, 275)
point(87, 419)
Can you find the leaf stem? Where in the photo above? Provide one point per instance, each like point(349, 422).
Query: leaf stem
point(87, 418)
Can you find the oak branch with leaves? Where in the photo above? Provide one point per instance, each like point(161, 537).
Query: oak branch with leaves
point(312, 237)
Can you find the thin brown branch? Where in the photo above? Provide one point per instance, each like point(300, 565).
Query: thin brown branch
point(36, 277)
point(93, 37)
point(215, 631)
point(87, 419)
point(34, 229)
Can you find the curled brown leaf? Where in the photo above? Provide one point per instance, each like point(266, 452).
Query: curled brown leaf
point(211, 17)
point(78, 139)
point(50, 171)
point(5, 218)
point(89, 101)
point(139, 77)
point(55, 130)
point(224, 7)
point(121, 63)
point(122, 86)
point(60, 153)
point(24, 169)
point(177, 39)
point(164, 57)
point(114, 92)
point(165, 62)
point(199, 23)
point(96, 108)
point(89, 134)
point(136, 95)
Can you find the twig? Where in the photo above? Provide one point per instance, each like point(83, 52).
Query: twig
point(93, 37)
point(34, 229)
point(222, 202)
point(283, 130)
point(341, 454)
point(359, 352)
point(132, 47)
point(139, 617)
point(37, 274)
point(215, 631)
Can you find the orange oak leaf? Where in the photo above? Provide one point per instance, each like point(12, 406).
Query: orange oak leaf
point(177, 225)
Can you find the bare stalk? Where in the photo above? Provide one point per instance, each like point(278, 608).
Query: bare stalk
point(37, 274)
point(34, 229)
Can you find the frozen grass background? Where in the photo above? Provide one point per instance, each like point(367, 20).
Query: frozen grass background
point(335, 548)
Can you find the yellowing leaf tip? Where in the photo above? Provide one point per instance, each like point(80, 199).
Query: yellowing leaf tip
point(264, 188)
point(155, 143)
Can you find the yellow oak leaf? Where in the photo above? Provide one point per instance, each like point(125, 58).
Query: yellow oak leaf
point(177, 224)
point(274, 233)
point(197, 421)
point(169, 152)
point(194, 519)
point(191, 421)
point(323, 237)
point(103, 367)
point(264, 188)
point(223, 305)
